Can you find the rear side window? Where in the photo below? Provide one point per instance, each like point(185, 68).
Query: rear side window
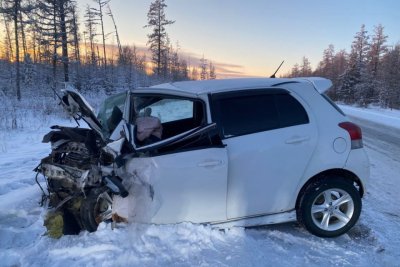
point(291, 112)
point(248, 114)
point(245, 114)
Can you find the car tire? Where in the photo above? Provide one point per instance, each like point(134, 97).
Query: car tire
point(329, 207)
point(95, 208)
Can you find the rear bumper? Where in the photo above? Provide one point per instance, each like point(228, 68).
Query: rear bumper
point(358, 163)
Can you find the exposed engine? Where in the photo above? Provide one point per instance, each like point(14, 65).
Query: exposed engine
point(89, 171)
point(70, 168)
point(79, 183)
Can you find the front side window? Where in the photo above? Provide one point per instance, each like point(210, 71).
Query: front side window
point(166, 124)
point(167, 110)
point(165, 116)
point(246, 113)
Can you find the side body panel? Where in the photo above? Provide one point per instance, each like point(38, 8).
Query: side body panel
point(325, 156)
point(358, 163)
point(265, 166)
point(264, 169)
point(191, 186)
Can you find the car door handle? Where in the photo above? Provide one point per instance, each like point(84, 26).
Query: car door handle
point(210, 163)
point(297, 139)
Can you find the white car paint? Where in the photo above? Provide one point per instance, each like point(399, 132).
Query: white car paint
point(191, 186)
point(250, 179)
point(266, 170)
point(265, 167)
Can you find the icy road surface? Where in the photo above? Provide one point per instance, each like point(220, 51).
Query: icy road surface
point(374, 241)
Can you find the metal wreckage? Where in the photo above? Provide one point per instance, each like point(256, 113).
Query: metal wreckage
point(92, 174)
point(123, 168)
point(108, 172)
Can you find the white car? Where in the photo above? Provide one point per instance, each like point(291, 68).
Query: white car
point(239, 152)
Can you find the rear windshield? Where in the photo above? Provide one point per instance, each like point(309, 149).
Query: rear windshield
point(333, 104)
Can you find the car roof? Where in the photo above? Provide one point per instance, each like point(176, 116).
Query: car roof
point(223, 85)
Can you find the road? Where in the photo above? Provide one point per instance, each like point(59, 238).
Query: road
point(381, 138)
point(380, 220)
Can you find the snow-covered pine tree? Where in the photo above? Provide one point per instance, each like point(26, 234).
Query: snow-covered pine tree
point(56, 24)
point(390, 72)
point(295, 72)
point(194, 75)
point(360, 46)
point(364, 89)
point(213, 74)
point(174, 63)
point(325, 67)
point(203, 69)
point(339, 65)
point(98, 14)
point(377, 49)
point(340, 62)
point(90, 24)
point(28, 71)
point(75, 33)
point(305, 68)
point(158, 38)
point(165, 61)
point(355, 82)
point(109, 13)
point(8, 46)
point(346, 89)
point(11, 10)
point(184, 70)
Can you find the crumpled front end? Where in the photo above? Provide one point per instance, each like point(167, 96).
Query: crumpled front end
point(88, 181)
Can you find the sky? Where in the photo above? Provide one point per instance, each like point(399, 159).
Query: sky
point(251, 38)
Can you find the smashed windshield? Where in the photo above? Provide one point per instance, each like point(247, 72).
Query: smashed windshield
point(110, 113)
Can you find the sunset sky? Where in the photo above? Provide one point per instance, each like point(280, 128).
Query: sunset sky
point(251, 38)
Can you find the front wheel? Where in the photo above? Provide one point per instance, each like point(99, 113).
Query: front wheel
point(329, 207)
point(95, 208)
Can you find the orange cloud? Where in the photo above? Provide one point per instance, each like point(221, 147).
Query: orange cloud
point(223, 70)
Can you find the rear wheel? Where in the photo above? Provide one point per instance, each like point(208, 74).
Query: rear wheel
point(95, 208)
point(329, 207)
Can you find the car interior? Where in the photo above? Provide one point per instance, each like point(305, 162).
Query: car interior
point(150, 109)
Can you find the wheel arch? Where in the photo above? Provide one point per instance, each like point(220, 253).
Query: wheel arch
point(338, 173)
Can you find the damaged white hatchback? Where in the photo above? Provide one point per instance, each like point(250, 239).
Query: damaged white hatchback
point(240, 152)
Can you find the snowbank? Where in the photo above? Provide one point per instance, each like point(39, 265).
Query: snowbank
point(374, 114)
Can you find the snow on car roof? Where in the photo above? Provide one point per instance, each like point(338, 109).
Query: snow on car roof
point(213, 86)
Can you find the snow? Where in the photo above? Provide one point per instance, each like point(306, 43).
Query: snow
point(374, 114)
point(374, 241)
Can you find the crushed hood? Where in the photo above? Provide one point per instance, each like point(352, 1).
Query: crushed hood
point(77, 107)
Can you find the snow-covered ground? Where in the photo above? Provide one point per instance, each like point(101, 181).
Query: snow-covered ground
point(375, 114)
point(374, 241)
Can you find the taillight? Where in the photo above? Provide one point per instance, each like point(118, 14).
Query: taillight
point(354, 132)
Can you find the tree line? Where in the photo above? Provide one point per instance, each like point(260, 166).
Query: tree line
point(46, 43)
point(369, 74)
